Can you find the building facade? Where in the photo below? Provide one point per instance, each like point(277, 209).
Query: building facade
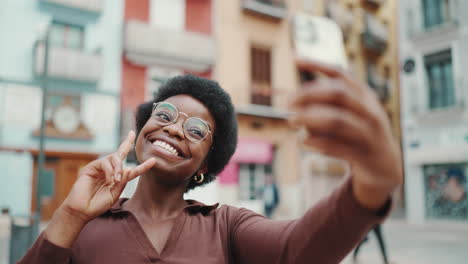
point(82, 76)
point(256, 64)
point(434, 37)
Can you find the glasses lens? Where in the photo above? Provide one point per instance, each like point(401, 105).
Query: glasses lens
point(165, 113)
point(195, 129)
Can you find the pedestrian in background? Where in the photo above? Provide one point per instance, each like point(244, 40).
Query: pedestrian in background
point(378, 233)
point(270, 196)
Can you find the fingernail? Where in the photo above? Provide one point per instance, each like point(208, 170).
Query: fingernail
point(118, 177)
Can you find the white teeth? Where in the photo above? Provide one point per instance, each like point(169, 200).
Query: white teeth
point(166, 146)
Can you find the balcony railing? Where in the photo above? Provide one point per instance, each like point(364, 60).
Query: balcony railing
point(146, 44)
point(375, 35)
point(378, 83)
point(449, 18)
point(275, 9)
point(261, 94)
point(69, 64)
point(341, 15)
point(88, 5)
point(375, 3)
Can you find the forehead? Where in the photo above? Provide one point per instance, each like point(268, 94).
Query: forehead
point(192, 107)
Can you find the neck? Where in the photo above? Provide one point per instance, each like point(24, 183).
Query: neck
point(156, 201)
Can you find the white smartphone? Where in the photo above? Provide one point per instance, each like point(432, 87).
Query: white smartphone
point(319, 39)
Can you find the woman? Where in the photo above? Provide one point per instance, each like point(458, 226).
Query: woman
point(184, 139)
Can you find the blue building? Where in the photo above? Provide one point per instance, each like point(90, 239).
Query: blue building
point(83, 80)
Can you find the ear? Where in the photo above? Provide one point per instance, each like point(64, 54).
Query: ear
point(204, 168)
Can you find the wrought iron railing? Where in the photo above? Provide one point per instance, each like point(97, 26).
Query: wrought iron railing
point(375, 35)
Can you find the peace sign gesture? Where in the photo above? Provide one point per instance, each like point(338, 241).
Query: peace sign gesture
point(101, 182)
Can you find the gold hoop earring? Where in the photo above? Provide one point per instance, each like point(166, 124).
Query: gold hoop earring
point(199, 178)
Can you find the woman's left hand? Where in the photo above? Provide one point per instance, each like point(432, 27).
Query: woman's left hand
point(344, 118)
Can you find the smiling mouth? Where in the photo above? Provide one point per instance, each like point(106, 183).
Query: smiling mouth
point(168, 148)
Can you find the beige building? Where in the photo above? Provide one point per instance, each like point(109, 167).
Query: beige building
point(255, 63)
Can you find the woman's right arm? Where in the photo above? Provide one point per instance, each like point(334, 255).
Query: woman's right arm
point(97, 188)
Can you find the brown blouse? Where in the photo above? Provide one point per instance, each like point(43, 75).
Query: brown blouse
point(208, 234)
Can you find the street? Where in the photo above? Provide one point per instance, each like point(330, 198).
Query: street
point(406, 244)
point(445, 243)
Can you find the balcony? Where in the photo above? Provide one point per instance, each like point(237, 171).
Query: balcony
point(148, 45)
point(374, 3)
point(378, 83)
point(375, 35)
point(342, 16)
point(94, 6)
point(274, 9)
point(261, 94)
point(69, 64)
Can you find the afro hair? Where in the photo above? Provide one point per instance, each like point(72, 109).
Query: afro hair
point(221, 108)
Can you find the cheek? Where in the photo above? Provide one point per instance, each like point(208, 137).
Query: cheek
point(140, 140)
point(202, 151)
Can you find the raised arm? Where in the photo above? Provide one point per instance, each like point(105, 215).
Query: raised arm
point(325, 234)
point(97, 188)
point(342, 118)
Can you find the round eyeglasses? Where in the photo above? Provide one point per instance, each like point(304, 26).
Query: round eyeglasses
point(195, 129)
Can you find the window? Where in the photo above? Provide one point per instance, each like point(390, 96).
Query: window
point(252, 180)
point(440, 79)
point(168, 14)
point(436, 12)
point(66, 35)
point(260, 63)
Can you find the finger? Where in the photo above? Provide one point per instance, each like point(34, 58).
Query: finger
point(328, 120)
point(117, 164)
point(108, 170)
point(326, 69)
point(331, 72)
point(126, 174)
point(126, 145)
point(141, 169)
point(335, 95)
point(124, 179)
point(331, 146)
point(119, 187)
point(92, 169)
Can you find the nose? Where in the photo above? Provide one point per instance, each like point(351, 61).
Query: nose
point(176, 129)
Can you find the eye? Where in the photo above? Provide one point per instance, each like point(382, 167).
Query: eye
point(163, 116)
point(195, 132)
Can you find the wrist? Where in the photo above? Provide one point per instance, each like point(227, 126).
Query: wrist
point(66, 214)
point(371, 197)
point(64, 228)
